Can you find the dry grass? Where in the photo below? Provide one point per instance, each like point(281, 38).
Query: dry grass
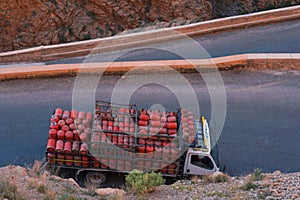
point(217, 177)
point(9, 190)
point(50, 195)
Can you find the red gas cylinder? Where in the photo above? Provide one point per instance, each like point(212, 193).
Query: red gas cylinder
point(60, 135)
point(51, 145)
point(84, 137)
point(81, 115)
point(163, 131)
point(60, 159)
point(58, 112)
point(54, 125)
point(120, 139)
point(83, 149)
point(77, 161)
point(51, 157)
point(131, 130)
point(125, 141)
point(88, 130)
point(52, 133)
point(80, 127)
point(54, 118)
point(65, 128)
point(69, 135)
point(144, 117)
point(171, 119)
point(142, 123)
point(76, 135)
point(85, 161)
point(89, 116)
point(75, 147)
point(69, 121)
point(153, 130)
point(61, 123)
point(74, 114)
point(156, 124)
point(163, 119)
point(172, 125)
point(72, 127)
point(172, 131)
point(69, 160)
point(66, 115)
point(155, 117)
point(68, 147)
point(86, 123)
point(104, 163)
point(59, 146)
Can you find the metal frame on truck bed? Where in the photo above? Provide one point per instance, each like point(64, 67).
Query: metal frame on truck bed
point(120, 138)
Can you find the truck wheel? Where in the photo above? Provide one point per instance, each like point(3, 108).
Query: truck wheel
point(95, 178)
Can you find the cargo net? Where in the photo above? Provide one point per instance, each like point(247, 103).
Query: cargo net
point(120, 138)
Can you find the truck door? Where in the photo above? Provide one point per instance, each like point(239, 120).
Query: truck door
point(199, 164)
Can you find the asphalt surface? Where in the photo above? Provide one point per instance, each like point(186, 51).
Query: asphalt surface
point(261, 128)
point(274, 38)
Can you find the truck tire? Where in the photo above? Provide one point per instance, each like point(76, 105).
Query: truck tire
point(95, 178)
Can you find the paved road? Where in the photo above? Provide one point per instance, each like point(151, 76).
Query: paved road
point(275, 38)
point(261, 128)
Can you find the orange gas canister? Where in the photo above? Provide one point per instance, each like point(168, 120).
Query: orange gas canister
point(58, 112)
point(51, 157)
point(155, 117)
point(81, 115)
point(74, 114)
point(54, 125)
point(144, 117)
point(65, 128)
point(156, 124)
point(89, 116)
point(84, 137)
point(85, 161)
point(59, 146)
point(51, 145)
point(68, 147)
point(83, 149)
point(172, 125)
point(52, 133)
point(69, 121)
point(76, 135)
point(75, 147)
point(61, 123)
point(171, 119)
point(66, 115)
point(77, 161)
point(60, 158)
point(69, 160)
point(60, 135)
point(54, 118)
point(69, 135)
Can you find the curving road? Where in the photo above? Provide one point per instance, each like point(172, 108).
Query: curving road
point(274, 38)
point(261, 128)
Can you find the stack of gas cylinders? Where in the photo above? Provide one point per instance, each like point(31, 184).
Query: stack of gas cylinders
point(118, 138)
point(68, 134)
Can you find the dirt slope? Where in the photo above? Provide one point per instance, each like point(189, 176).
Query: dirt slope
point(30, 23)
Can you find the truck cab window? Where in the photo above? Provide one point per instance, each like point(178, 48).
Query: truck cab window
point(202, 161)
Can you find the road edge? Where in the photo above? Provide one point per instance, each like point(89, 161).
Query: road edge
point(281, 62)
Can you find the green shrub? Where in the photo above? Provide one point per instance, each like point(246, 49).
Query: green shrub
point(141, 183)
point(248, 186)
point(257, 175)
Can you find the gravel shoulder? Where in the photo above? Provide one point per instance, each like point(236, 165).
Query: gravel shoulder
point(30, 183)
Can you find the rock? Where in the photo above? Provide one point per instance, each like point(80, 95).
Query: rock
point(110, 193)
point(25, 24)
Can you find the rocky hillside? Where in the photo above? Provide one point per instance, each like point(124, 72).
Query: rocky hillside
point(32, 183)
point(30, 23)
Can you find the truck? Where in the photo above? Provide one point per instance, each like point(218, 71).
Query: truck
point(117, 138)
